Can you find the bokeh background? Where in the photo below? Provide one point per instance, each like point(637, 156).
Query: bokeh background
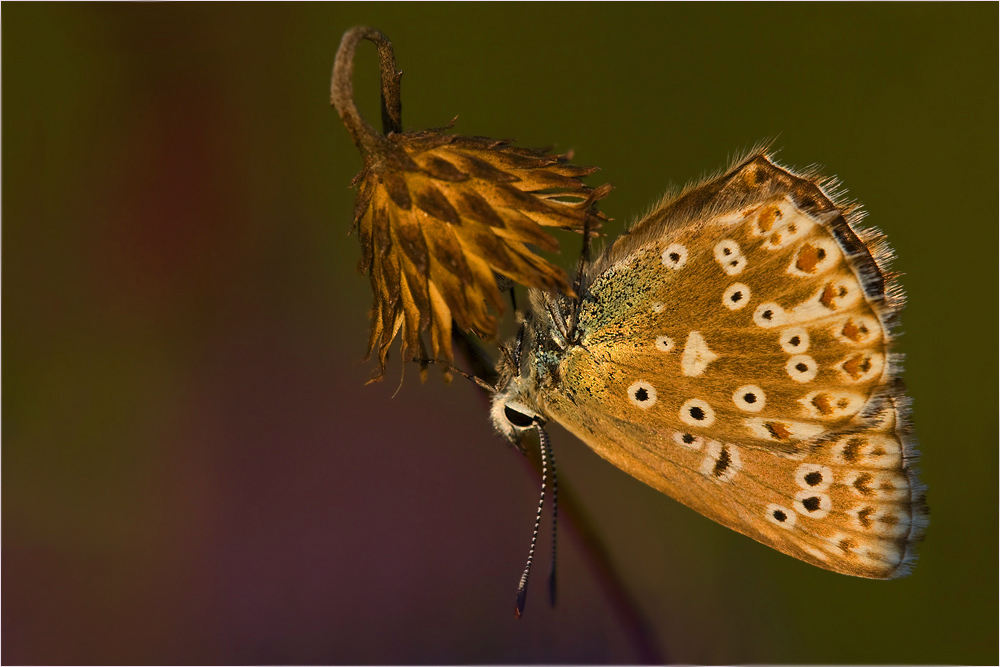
point(193, 467)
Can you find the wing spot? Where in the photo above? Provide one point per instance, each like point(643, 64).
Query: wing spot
point(881, 451)
point(736, 296)
point(736, 266)
point(812, 476)
point(834, 296)
point(848, 545)
point(812, 504)
point(888, 519)
point(675, 256)
point(697, 355)
point(728, 255)
point(754, 176)
point(766, 218)
point(809, 258)
point(688, 440)
point(642, 394)
point(861, 484)
point(721, 462)
point(768, 315)
point(664, 343)
point(856, 331)
point(860, 367)
point(821, 402)
point(802, 368)
point(749, 398)
point(780, 516)
point(726, 248)
point(696, 412)
point(777, 430)
point(857, 365)
point(852, 449)
point(784, 432)
point(794, 340)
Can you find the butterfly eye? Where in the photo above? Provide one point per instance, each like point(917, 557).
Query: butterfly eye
point(516, 418)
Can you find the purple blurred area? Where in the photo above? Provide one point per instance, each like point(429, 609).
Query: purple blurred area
point(194, 469)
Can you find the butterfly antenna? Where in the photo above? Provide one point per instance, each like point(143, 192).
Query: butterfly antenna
point(522, 587)
point(481, 382)
point(543, 438)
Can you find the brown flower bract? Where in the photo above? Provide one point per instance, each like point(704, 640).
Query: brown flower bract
point(438, 214)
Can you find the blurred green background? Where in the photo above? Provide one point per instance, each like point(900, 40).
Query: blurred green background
point(193, 469)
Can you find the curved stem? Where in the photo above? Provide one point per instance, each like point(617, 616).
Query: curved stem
point(342, 88)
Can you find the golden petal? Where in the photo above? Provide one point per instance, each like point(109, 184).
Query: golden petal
point(365, 236)
point(395, 186)
point(433, 202)
point(440, 326)
point(447, 249)
point(523, 229)
point(486, 281)
point(376, 333)
point(471, 205)
point(415, 273)
point(452, 290)
point(409, 236)
point(508, 196)
point(542, 179)
point(479, 168)
point(411, 319)
point(439, 167)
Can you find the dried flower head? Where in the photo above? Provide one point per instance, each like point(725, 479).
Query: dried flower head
point(441, 216)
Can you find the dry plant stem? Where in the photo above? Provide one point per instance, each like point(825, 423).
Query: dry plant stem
point(581, 528)
point(342, 88)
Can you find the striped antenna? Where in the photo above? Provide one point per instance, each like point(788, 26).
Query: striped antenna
point(547, 461)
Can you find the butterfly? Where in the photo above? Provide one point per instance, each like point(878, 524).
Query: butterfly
point(733, 350)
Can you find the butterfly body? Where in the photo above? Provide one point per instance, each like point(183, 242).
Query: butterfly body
point(733, 351)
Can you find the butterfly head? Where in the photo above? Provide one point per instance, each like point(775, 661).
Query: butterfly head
point(515, 408)
point(512, 418)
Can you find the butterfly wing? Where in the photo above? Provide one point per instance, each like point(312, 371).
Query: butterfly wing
point(734, 354)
